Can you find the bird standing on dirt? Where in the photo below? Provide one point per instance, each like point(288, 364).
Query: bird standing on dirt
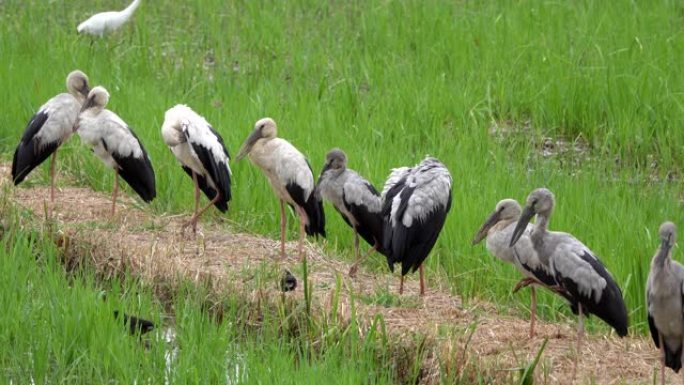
point(203, 156)
point(578, 272)
point(116, 145)
point(51, 126)
point(416, 201)
point(355, 199)
point(665, 300)
point(290, 176)
point(104, 22)
point(498, 229)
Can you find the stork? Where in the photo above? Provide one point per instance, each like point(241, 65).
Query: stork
point(51, 126)
point(116, 145)
point(355, 199)
point(665, 299)
point(498, 229)
point(415, 205)
point(104, 22)
point(576, 268)
point(202, 154)
point(290, 176)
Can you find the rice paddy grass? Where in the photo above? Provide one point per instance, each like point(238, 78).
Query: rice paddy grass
point(585, 98)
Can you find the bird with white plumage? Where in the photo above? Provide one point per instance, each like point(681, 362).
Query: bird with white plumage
point(290, 177)
point(49, 128)
point(356, 199)
point(202, 153)
point(104, 22)
point(115, 143)
point(416, 202)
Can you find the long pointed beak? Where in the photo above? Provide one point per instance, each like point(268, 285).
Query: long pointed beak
point(665, 248)
point(326, 167)
point(491, 221)
point(247, 146)
point(85, 91)
point(525, 218)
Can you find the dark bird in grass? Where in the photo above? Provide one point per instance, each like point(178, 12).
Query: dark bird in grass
point(291, 179)
point(135, 324)
point(357, 201)
point(578, 272)
point(665, 299)
point(416, 201)
point(51, 126)
point(202, 154)
point(288, 282)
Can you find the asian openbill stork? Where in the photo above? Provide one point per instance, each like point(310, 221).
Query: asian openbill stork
point(51, 126)
point(113, 141)
point(355, 199)
point(203, 156)
point(415, 205)
point(577, 270)
point(498, 229)
point(290, 176)
point(665, 299)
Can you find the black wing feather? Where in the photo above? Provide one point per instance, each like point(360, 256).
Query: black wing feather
point(207, 190)
point(611, 307)
point(218, 172)
point(312, 206)
point(137, 172)
point(31, 152)
point(370, 225)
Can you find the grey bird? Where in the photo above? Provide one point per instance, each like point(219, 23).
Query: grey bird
point(357, 201)
point(49, 128)
point(416, 202)
point(576, 268)
point(115, 143)
point(290, 176)
point(665, 299)
point(498, 229)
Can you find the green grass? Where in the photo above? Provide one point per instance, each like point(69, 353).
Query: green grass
point(389, 82)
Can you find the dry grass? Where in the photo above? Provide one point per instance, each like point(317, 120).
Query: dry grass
point(451, 337)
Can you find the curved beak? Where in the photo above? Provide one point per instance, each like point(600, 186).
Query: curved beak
point(493, 219)
point(85, 90)
point(247, 146)
point(525, 218)
point(326, 167)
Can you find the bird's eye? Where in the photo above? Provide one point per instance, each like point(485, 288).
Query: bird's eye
point(261, 127)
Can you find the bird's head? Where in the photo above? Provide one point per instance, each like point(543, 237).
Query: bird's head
point(335, 159)
point(668, 235)
point(263, 129)
point(97, 98)
point(77, 84)
point(540, 201)
point(507, 209)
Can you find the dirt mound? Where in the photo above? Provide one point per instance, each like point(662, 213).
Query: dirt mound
point(153, 248)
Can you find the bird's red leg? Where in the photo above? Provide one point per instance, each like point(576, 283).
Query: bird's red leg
point(523, 283)
point(533, 309)
point(580, 332)
point(355, 266)
point(197, 199)
point(401, 285)
point(422, 280)
point(52, 177)
point(116, 190)
point(283, 224)
point(302, 232)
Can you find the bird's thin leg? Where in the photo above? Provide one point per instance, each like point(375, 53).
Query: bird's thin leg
point(52, 177)
point(523, 283)
point(283, 224)
point(355, 266)
point(422, 280)
point(195, 218)
point(197, 191)
point(302, 232)
point(401, 285)
point(533, 309)
point(662, 359)
point(116, 190)
point(580, 332)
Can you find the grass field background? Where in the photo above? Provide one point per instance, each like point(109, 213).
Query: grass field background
point(480, 85)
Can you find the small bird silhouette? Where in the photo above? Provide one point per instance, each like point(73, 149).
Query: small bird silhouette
point(135, 324)
point(288, 282)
